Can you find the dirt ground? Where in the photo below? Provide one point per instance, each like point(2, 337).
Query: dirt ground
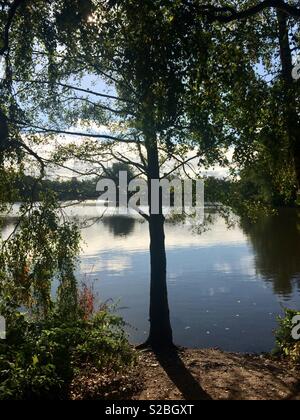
point(213, 374)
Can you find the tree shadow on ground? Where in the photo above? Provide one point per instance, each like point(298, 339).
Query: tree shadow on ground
point(179, 374)
point(295, 394)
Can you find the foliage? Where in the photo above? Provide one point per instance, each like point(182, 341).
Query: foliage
point(176, 80)
point(64, 190)
point(47, 347)
point(40, 358)
point(42, 248)
point(26, 188)
point(286, 344)
point(58, 338)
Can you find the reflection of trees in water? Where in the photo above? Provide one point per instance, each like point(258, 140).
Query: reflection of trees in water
point(276, 243)
point(119, 225)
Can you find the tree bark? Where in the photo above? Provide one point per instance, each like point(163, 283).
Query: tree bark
point(161, 335)
point(290, 96)
point(3, 136)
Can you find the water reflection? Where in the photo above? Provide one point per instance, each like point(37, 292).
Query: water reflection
point(276, 245)
point(120, 225)
point(226, 286)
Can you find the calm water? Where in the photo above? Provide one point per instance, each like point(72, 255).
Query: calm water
point(226, 286)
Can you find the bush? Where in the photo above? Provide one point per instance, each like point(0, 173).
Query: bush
point(286, 344)
point(39, 359)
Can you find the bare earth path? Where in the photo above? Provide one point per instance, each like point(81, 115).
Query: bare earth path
point(212, 374)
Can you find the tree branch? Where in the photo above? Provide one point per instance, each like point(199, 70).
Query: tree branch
point(11, 15)
point(77, 89)
point(229, 14)
point(44, 130)
point(180, 165)
point(84, 62)
point(128, 161)
point(40, 160)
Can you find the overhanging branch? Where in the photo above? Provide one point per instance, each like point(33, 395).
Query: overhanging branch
point(229, 14)
point(44, 130)
point(77, 89)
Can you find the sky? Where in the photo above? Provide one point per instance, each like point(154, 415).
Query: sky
point(99, 85)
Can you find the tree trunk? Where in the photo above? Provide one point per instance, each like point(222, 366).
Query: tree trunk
point(3, 136)
point(290, 98)
point(160, 326)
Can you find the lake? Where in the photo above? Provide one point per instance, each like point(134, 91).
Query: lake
point(226, 285)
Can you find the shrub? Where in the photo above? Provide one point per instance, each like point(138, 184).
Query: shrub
point(45, 351)
point(286, 344)
point(39, 359)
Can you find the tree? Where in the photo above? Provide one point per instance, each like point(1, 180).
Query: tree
point(152, 110)
point(270, 137)
point(176, 75)
point(166, 97)
point(41, 246)
point(278, 141)
point(149, 74)
point(291, 93)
